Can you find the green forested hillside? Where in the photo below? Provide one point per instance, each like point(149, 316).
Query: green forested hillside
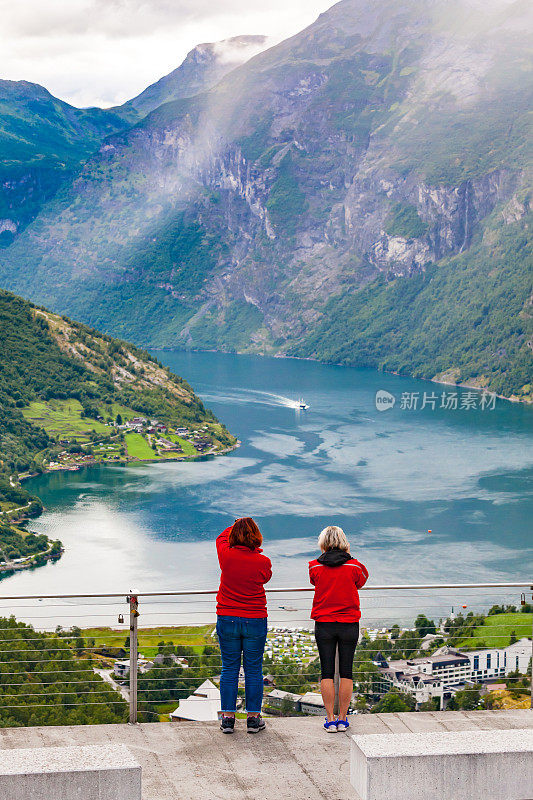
point(42, 141)
point(42, 682)
point(53, 368)
point(469, 318)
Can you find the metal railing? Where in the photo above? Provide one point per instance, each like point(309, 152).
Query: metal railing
point(185, 608)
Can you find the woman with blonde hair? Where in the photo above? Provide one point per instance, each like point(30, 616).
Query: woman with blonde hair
point(336, 577)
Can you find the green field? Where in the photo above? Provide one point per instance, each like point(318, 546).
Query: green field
point(496, 630)
point(138, 447)
point(125, 412)
point(189, 635)
point(188, 448)
point(62, 418)
point(106, 450)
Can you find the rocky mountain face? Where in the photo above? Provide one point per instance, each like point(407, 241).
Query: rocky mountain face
point(44, 141)
point(203, 67)
point(382, 140)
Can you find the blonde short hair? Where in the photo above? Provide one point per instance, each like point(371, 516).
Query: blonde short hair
point(331, 537)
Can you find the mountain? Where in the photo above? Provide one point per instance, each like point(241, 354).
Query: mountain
point(42, 141)
point(203, 67)
point(355, 181)
point(63, 386)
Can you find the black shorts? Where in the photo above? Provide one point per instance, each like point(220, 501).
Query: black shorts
point(329, 636)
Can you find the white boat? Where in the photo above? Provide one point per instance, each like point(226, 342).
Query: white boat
point(302, 405)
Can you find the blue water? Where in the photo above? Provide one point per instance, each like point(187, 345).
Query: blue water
point(388, 478)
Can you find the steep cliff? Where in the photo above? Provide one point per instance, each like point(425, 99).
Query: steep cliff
point(383, 139)
point(44, 141)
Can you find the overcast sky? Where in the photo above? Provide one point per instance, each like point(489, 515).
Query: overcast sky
point(102, 52)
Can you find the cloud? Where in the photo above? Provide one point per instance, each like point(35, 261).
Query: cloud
point(102, 52)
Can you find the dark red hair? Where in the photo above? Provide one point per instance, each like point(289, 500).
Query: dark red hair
point(245, 533)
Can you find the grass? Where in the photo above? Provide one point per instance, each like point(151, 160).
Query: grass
point(138, 447)
point(190, 635)
point(164, 709)
point(188, 448)
point(496, 630)
point(62, 418)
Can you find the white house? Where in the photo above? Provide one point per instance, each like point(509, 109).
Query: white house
point(202, 706)
point(496, 662)
point(121, 668)
point(311, 703)
point(411, 680)
point(277, 696)
point(447, 670)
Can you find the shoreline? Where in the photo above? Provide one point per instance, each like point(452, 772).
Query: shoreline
point(511, 399)
point(124, 463)
point(8, 568)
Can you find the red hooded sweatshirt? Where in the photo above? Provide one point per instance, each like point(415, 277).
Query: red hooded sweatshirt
point(336, 577)
point(244, 573)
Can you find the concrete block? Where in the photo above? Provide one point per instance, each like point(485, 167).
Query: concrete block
point(463, 765)
point(107, 772)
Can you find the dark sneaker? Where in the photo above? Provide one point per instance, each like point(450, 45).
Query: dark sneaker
point(227, 724)
point(255, 724)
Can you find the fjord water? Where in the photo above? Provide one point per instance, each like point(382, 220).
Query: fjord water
point(387, 477)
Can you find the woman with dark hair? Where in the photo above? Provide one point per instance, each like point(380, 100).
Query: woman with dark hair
point(336, 577)
point(242, 620)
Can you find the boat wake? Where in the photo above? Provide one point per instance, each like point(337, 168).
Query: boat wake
point(252, 396)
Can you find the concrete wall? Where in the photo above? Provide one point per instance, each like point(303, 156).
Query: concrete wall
point(70, 773)
point(463, 765)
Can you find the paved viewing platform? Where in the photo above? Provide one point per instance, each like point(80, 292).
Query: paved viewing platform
point(294, 757)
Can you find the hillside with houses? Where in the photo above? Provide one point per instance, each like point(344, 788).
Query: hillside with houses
point(72, 397)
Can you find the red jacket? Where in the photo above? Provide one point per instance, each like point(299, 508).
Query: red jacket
point(244, 573)
point(336, 578)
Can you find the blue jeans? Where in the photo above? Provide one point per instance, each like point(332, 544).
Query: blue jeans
point(238, 635)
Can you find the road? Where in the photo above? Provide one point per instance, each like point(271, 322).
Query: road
point(108, 678)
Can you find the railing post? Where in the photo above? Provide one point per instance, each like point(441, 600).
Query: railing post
point(134, 613)
point(531, 677)
point(336, 682)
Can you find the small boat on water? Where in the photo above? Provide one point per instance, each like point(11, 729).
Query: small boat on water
point(302, 405)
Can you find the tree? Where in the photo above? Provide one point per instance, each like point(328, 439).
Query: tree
point(512, 637)
point(287, 707)
point(119, 419)
point(395, 632)
point(466, 700)
point(361, 704)
point(423, 626)
point(394, 702)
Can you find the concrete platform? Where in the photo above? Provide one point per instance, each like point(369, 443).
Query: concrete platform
point(93, 772)
point(492, 764)
point(293, 758)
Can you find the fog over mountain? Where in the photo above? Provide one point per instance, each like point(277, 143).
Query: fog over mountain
point(103, 52)
point(358, 193)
